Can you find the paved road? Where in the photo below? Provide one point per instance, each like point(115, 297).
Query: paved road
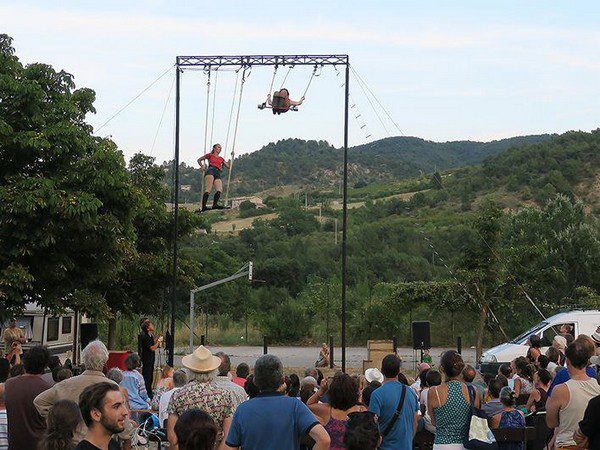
point(306, 356)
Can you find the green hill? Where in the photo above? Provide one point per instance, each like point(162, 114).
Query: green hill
point(317, 164)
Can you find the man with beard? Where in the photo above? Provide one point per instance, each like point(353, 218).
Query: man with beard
point(104, 413)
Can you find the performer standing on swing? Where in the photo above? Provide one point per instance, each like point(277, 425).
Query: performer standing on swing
point(213, 176)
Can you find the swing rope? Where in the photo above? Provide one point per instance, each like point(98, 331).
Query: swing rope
point(212, 125)
point(237, 120)
point(286, 76)
point(206, 126)
point(272, 81)
point(314, 74)
point(237, 76)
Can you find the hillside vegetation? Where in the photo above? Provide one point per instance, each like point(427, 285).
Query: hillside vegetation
point(317, 165)
point(520, 222)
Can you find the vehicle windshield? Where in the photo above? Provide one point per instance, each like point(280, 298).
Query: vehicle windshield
point(522, 338)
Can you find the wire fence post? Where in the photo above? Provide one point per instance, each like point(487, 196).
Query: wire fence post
point(331, 364)
point(265, 349)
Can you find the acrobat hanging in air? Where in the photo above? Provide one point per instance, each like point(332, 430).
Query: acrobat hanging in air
point(212, 176)
point(281, 101)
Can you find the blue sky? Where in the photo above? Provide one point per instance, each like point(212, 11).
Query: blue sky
point(445, 70)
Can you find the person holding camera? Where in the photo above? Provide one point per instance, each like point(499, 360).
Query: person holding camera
point(147, 345)
point(13, 339)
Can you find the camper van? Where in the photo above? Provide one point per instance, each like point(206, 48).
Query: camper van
point(54, 331)
point(581, 322)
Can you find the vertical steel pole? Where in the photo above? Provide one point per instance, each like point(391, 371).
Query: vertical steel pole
point(345, 215)
point(171, 353)
point(191, 321)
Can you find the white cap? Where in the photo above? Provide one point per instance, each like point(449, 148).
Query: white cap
point(373, 374)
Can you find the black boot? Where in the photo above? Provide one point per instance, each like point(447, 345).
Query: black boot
point(216, 201)
point(204, 200)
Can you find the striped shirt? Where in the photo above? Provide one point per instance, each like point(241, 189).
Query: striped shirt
point(3, 430)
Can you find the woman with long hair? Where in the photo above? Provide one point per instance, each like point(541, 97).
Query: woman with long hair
point(524, 378)
point(196, 430)
point(449, 405)
point(342, 391)
point(63, 419)
point(212, 177)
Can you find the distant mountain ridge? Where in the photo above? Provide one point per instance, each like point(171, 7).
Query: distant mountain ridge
point(318, 164)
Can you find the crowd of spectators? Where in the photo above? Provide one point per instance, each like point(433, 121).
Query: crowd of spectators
point(205, 406)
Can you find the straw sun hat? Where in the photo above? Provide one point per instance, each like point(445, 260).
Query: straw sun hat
point(201, 360)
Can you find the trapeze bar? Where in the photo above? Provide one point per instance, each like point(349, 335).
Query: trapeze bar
point(214, 62)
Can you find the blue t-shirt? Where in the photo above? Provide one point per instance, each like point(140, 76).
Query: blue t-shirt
point(563, 376)
point(270, 421)
point(384, 401)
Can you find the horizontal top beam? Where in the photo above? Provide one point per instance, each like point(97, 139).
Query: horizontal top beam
point(214, 62)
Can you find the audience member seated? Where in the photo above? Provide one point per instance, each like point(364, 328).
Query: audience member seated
point(449, 404)
point(16, 370)
point(589, 431)
point(342, 391)
point(180, 379)
point(469, 374)
point(506, 371)
point(493, 406)
point(323, 360)
point(292, 385)
point(509, 417)
point(272, 420)
point(201, 392)
point(542, 362)
point(62, 374)
point(396, 407)
point(163, 385)
point(433, 378)
point(54, 365)
point(566, 406)
point(250, 387)
point(368, 391)
point(25, 425)
point(63, 420)
point(94, 357)
point(524, 376)
point(535, 348)
point(104, 414)
point(421, 368)
point(537, 399)
point(307, 392)
point(553, 360)
point(362, 431)
point(241, 373)
point(223, 381)
point(196, 430)
point(133, 382)
point(115, 374)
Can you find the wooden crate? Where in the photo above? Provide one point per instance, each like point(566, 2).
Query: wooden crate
point(376, 351)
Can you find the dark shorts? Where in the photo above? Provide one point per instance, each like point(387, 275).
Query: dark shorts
point(216, 173)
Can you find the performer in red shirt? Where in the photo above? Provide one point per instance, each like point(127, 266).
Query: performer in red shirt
point(213, 176)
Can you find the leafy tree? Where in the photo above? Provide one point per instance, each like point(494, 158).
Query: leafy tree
point(66, 201)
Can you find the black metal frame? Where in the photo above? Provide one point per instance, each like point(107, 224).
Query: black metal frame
point(247, 61)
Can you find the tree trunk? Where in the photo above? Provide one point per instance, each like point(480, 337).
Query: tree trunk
point(480, 330)
point(112, 333)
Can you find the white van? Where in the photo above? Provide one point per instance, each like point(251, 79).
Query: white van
point(581, 322)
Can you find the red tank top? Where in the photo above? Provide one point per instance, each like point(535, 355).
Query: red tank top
point(215, 160)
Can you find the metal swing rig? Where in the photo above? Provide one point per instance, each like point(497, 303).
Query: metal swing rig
point(248, 61)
